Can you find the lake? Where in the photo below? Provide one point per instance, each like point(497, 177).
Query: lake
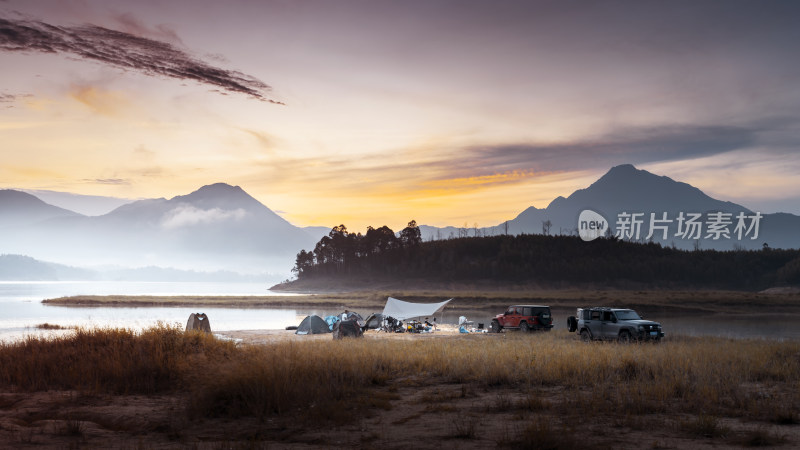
point(21, 310)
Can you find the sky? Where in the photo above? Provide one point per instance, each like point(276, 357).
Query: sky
point(375, 113)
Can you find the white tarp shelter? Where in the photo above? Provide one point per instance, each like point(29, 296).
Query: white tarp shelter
point(401, 310)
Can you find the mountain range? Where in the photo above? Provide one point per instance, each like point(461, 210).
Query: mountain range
point(625, 189)
point(220, 227)
point(217, 227)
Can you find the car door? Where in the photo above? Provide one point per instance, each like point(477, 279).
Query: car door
point(608, 325)
point(514, 318)
point(526, 314)
point(593, 323)
point(507, 320)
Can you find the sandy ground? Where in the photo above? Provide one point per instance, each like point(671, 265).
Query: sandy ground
point(269, 336)
point(406, 413)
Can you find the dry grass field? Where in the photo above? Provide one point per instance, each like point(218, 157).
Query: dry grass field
point(164, 388)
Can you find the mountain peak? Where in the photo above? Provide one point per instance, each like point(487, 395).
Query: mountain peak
point(624, 172)
point(220, 195)
point(623, 168)
point(220, 187)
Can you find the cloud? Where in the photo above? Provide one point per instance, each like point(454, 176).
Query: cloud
point(131, 24)
point(440, 169)
point(108, 181)
point(11, 98)
point(101, 101)
point(265, 140)
point(126, 51)
point(627, 145)
point(187, 215)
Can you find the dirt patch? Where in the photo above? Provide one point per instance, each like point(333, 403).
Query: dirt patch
point(406, 413)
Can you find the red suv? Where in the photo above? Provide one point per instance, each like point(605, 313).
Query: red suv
point(523, 318)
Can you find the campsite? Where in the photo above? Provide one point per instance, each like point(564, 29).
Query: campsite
point(390, 320)
point(275, 388)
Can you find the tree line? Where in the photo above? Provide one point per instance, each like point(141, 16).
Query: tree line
point(382, 254)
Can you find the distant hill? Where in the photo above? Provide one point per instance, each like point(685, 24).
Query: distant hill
point(25, 268)
point(21, 209)
point(626, 189)
point(88, 205)
point(537, 261)
point(217, 227)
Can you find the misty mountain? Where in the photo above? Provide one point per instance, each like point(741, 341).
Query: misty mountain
point(25, 268)
point(88, 205)
point(21, 209)
point(623, 188)
point(217, 227)
point(626, 189)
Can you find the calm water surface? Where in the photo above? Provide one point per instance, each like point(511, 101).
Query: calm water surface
point(21, 307)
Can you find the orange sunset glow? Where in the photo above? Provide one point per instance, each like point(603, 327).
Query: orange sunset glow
point(373, 113)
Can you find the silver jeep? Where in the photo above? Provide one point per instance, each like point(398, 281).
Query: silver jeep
point(613, 324)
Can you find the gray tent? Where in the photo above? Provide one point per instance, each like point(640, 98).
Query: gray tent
point(313, 325)
point(374, 321)
point(198, 321)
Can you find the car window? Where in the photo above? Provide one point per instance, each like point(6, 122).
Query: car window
point(627, 315)
point(595, 315)
point(527, 311)
point(510, 311)
point(606, 316)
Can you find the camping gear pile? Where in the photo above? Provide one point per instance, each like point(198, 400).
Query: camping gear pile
point(388, 324)
point(351, 324)
point(346, 324)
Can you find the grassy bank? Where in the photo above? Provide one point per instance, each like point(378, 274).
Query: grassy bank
point(691, 387)
point(708, 375)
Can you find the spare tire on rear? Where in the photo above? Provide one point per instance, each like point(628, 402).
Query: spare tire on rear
point(572, 324)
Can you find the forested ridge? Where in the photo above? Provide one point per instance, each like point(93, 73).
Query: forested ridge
point(544, 260)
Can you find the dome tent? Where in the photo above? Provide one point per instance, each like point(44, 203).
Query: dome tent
point(313, 325)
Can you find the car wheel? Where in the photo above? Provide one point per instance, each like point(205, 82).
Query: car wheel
point(624, 337)
point(572, 324)
point(523, 327)
point(585, 336)
point(495, 327)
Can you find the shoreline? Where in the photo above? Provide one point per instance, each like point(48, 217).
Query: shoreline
point(649, 302)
